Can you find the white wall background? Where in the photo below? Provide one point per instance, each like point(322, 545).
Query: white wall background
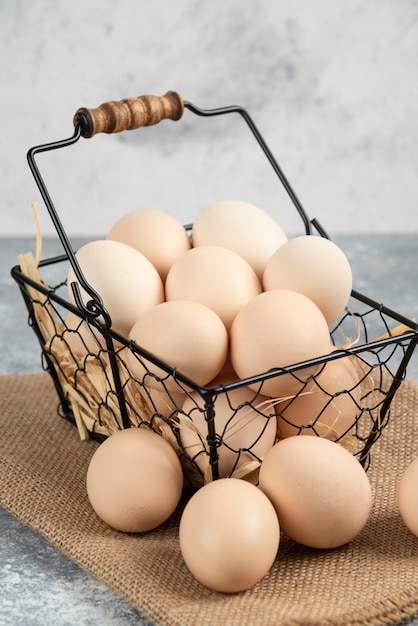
point(332, 85)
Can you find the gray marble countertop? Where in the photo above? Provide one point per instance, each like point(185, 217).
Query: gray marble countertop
point(41, 586)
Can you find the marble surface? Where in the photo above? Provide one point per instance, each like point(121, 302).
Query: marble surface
point(332, 86)
point(41, 586)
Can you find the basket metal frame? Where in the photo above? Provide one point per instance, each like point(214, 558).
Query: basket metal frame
point(96, 314)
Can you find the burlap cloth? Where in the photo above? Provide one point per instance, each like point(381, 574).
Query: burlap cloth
point(373, 580)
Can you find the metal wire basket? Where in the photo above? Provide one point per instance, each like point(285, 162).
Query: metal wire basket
point(100, 394)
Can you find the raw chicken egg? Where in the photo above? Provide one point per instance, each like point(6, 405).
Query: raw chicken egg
point(276, 329)
point(214, 276)
point(186, 335)
point(157, 234)
point(242, 227)
point(407, 497)
point(242, 424)
point(317, 268)
point(327, 406)
point(320, 491)
point(124, 278)
point(229, 535)
point(134, 480)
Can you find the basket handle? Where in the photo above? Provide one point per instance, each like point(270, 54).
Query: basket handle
point(129, 113)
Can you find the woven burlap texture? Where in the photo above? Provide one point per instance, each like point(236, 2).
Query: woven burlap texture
point(372, 580)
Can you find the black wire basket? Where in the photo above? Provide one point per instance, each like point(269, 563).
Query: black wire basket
point(100, 393)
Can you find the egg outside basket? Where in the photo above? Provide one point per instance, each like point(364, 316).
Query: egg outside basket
point(99, 393)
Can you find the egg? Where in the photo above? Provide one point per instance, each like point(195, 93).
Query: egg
point(317, 268)
point(124, 278)
point(328, 406)
point(134, 480)
point(186, 335)
point(277, 329)
point(242, 424)
point(242, 227)
point(229, 535)
point(407, 496)
point(158, 235)
point(320, 491)
point(214, 276)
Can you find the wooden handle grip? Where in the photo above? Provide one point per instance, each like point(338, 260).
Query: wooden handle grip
point(129, 113)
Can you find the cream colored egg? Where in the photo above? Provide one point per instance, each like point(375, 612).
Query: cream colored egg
point(328, 406)
point(314, 266)
point(320, 491)
point(242, 227)
point(277, 329)
point(214, 276)
point(229, 535)
point(124, 278)
point(158, 235)
point(243, 427)
point(407, 497)
point(186, 335)
point(134, 480)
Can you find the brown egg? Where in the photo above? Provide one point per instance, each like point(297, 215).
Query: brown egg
point(314, 266)
point(134, 480)
point(320, 491)
point(214, 276)
point(242, 227)
point(327, 407)
point(241, 422)
point(124, 278)
point(158, 235)
point(229, 535)
point(274, 330)
point(187, 336)
point(407, 496)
